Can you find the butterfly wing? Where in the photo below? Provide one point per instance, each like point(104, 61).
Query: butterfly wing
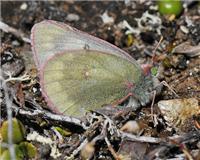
point(77, 81)
point(50, 37)
point(79, 72)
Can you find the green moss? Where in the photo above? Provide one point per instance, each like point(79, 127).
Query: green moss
point(28, 149)
point(18, 154)
point(24, 150)
point(18, 131)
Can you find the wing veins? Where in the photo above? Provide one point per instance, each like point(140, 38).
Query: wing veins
point(70, 95)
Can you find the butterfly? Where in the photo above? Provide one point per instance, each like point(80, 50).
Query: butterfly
point(79, 72)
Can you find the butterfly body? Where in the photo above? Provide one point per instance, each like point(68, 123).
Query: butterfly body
point(75, 78)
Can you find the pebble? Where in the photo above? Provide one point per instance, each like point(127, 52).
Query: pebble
point(132, 127)
point(177, 112)
point(15, 43)
point(72, 17)
point(23, 6)
point(184, 29)
point(106, 18)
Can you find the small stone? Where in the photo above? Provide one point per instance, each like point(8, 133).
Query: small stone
point(34, 90)
point(87, 151)
point(106, 18)
point(23, 6)
point(184, 29)
point(177, 111)
point(15, 43)
point(188, 49)
point(132, 127)
point(72, 17)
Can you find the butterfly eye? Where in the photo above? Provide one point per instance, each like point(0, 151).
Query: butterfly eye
point(154, 71)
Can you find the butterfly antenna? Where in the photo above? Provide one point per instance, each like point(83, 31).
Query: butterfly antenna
point(147, 67)
point(154, 58)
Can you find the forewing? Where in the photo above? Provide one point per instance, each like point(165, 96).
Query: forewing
point(50, 37)
point(74, 82)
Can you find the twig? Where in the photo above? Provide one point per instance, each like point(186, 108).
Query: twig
point(159, 42)
point(169, 140)
point(93, 141)
point(183, 148)
point(76, 151)
point(112, 151)
point(6, 28)
point(111, 126)
point(101, 136)
point(9, 116)
point(186, 152)
point(64, 118)
point(51, 116)
point(153, 116)
point(60, 137)
point(140, 138)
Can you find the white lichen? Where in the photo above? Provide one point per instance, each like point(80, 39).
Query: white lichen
point(34, 136)
point(145, 22)
point(10, 78)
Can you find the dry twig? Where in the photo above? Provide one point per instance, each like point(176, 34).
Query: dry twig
point(6, 28)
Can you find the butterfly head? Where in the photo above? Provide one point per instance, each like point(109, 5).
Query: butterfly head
point(144, 90)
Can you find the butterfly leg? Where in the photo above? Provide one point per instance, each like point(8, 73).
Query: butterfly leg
point(114, 104)
point(153, 116)
point(170, 88)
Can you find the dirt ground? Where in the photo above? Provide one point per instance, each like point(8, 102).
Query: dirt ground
point(135, 27)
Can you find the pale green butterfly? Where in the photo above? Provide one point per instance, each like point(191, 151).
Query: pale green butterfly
point(79, 72)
